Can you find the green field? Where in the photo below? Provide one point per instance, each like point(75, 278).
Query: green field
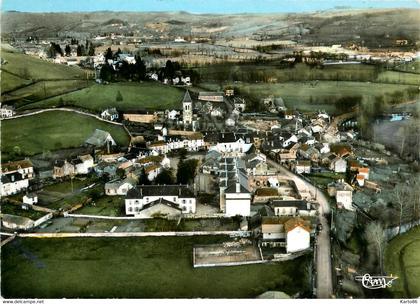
point(29, 67)
point(402, 259)
point(52, 131)
point(302, 72)
point(9, 81)
point(147, 95)
point(42, 90)
point(135, 268)
point(315, 95)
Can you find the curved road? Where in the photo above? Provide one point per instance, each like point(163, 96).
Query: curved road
point(323, 247)
point(62, 109)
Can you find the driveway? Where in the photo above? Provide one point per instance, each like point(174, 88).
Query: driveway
point(323, 247)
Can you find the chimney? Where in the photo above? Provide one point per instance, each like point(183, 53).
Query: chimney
point(141, 191)
point(179, 190)
point(13, 178)
point(238, 187)
point(308, 205)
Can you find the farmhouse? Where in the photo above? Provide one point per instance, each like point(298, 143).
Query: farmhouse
point(6, 111)
point(110, 114)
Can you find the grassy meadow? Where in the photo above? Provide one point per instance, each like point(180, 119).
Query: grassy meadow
point(147, 95)
point(402, 259)
point(315, 95)
point(135, 268)
point(29, 67)
point(52, 131)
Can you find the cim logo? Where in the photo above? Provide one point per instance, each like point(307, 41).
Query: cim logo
point(375, 282)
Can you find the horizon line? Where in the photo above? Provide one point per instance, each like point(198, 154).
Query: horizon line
point(342, 9)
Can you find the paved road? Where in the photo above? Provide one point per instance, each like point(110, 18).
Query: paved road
point(323, 248)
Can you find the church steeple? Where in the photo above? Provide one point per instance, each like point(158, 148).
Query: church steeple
point(187, 97)
point(187, 109)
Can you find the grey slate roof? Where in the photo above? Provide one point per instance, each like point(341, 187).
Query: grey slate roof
point(160, 190)
point(98, 138)
point(161, 201)
point(300, 205)
point(187, 97)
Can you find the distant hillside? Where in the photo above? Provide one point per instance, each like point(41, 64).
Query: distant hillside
point(373, 27)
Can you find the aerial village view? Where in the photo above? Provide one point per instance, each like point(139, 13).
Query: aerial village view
point(220, 149)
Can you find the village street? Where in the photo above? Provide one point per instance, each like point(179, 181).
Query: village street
point(323, 247)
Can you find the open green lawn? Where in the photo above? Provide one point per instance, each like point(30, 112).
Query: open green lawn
point(402, 259)
point(29, 67)
point(135, 268)
point(147, 95)
point(311, 96)
point(52, 131)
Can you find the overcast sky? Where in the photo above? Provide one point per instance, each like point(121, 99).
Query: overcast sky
point(199, 6)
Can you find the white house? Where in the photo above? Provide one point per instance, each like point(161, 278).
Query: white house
point(152, 171)
point(85, 164)
point(6, 111)
point(173, 114)
point(290, 140)
point(154, 76)
point(325, 148)
point(343, 193)
point(216, 112)
point(239, 104)
point(298, 235)
point(344, 196)
point(30, 199)
point(237, 200)
point(12, 183)
point(292, 208)
point(119, 187)
point(272, 228)
point(24, 167)
point(175, 197)
point(110, 114)
point(230, 144)
point(338, 165)
point(303, 166)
